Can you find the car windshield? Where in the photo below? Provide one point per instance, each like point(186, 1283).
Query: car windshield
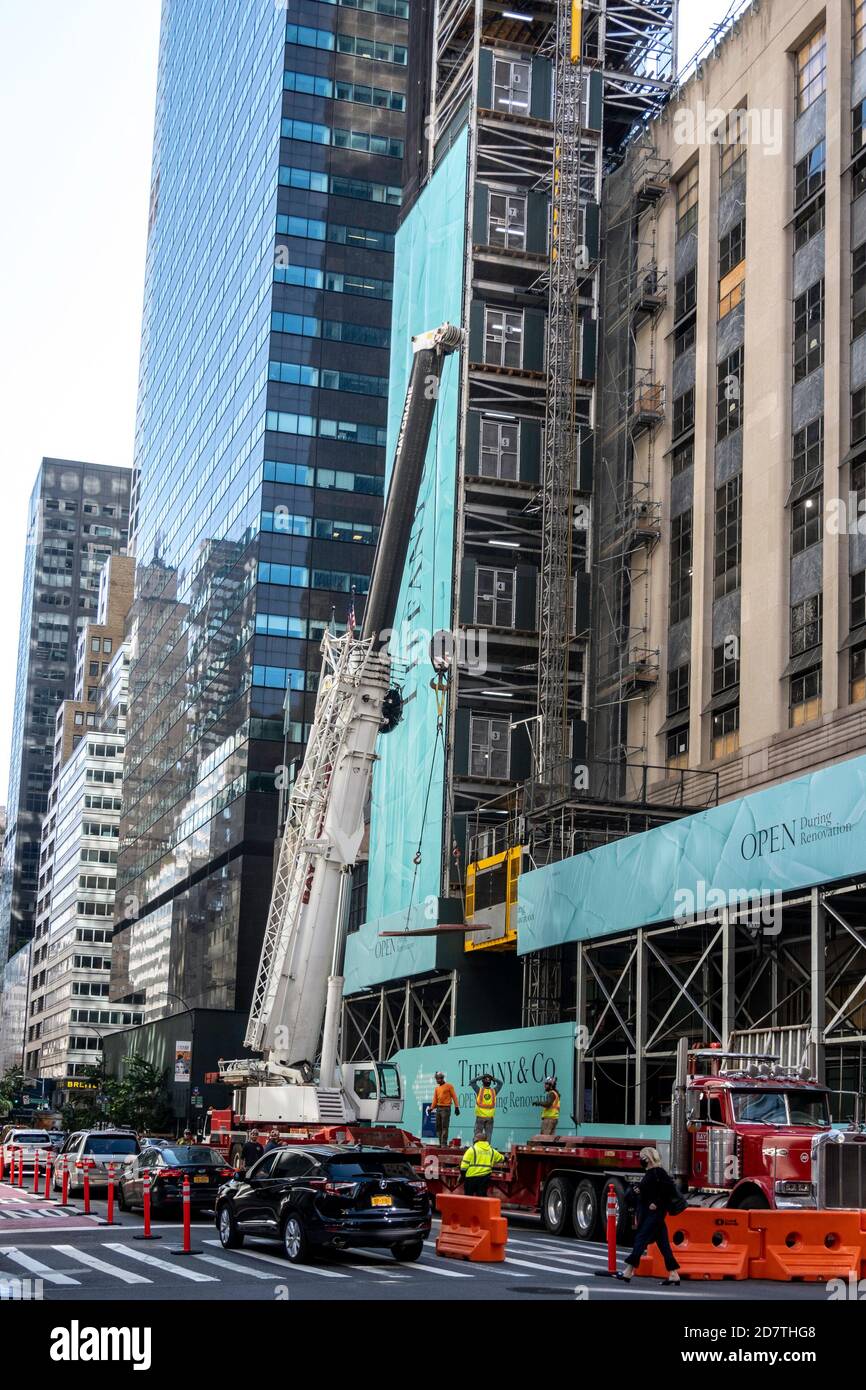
point(111, 1144)
point(781, 1108)
point(368, 1166)
point(193, 1153)
point(28, 1137)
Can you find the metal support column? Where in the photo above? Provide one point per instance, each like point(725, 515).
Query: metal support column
point(818, 948)
point(581, 1037)
point(640, 1037)
point(729, 959)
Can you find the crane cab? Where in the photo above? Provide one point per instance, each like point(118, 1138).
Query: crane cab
point(374, 1091)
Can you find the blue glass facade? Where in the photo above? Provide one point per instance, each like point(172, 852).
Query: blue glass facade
point(259, 450)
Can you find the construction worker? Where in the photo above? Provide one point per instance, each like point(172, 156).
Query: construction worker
point(475, 1165)
point(486, 1090)
point(444, 1096)
point(550, 1104)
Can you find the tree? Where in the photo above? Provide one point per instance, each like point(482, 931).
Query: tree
point(139, 1100)
point(11, 1086)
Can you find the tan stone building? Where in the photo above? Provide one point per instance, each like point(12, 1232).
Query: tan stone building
point(730, 547)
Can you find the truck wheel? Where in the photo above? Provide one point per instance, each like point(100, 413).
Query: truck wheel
point(754, 1202)
point(236, 1156)
point(556, 1207)
point(587, 1210)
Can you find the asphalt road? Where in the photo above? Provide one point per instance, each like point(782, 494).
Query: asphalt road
point(78, 1259)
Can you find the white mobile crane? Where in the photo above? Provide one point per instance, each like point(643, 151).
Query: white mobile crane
point(298, 990)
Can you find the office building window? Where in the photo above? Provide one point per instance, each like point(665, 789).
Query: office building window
point(805, 701)
point(684, 336)
point(511, 85)
point(809, 223)
point(809, 174)
point(677, 749)
point(506, 220)
point(858, 128)
point(685, 294)
point(489, 747)
point(681, 568)
point(726, 668)
point(857, 612)
point(682, 457)
point(687, 201)
point(857, 674)
point(858, 291)
point(811, 66)
point(806, 522)
point(732, 161)
point(858, 27)
point(728, 537)
point(726, 731)
point(858, 486)
point(494, 596)
point(809, 331)
point(858, 414)
point(806, 624)
point(732, 268)
point(500, 449)
point(678, 690)
point(684, 412)
point(808, 449)
point(729, 394)
point(503, 337)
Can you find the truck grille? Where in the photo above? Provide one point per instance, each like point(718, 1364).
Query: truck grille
point(840, 1173)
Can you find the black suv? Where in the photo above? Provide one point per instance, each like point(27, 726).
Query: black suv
point(326, 1196)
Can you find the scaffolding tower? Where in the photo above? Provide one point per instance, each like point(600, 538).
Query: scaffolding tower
point(632, 47)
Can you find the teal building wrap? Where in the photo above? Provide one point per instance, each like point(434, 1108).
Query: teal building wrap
point(797, 835)
point(520, 1059)
point(409, 782)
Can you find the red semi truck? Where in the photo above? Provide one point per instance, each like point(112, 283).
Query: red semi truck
point(751, 1135)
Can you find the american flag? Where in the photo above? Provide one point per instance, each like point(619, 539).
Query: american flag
point(350, 620)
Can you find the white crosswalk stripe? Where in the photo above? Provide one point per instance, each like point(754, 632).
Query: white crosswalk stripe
point(84, 1257)
point(246, 1270)
point(285, 1265)
point(50, 1276)
point(183, 1271)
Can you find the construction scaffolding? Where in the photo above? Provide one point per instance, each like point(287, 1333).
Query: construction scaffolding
point(628, 512)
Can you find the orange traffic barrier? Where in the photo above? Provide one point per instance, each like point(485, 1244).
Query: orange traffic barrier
point(708, 1243)
point(808, 1245)
point(473, 1228)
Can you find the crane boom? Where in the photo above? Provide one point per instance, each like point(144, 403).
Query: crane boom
point(325, 821)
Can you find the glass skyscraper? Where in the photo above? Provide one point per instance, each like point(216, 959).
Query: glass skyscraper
point(259, 451)
point(78, 515)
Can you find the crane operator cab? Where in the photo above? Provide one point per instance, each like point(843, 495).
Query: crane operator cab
point(374, 1091)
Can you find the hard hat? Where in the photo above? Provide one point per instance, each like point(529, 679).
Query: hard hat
point(550, 1081)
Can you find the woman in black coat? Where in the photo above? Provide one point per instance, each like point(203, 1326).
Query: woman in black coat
point(655, 1194)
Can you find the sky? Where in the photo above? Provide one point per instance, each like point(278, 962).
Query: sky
point(77, 87)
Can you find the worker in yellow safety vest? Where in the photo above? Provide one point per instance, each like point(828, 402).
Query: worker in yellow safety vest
point(475, 1165)
point(550, 1104)
point(486, 1090)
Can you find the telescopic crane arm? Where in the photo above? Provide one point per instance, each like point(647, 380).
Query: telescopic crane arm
point(302, 945)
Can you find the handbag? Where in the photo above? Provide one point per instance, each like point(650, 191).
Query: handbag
point(678, 1205)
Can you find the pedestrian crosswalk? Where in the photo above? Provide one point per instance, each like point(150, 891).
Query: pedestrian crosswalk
point(566, 1268)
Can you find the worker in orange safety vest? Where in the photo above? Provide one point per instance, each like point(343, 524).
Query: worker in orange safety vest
point(486, 1090)
point(444, 1096)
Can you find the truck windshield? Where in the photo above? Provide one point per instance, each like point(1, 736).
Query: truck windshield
point(780, 1108)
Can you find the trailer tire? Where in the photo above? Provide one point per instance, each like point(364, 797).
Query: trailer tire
point(556, 1206)
point(587, 1209)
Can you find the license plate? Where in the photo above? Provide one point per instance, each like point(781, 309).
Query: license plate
point(381, 1201)
point(201, 1177)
